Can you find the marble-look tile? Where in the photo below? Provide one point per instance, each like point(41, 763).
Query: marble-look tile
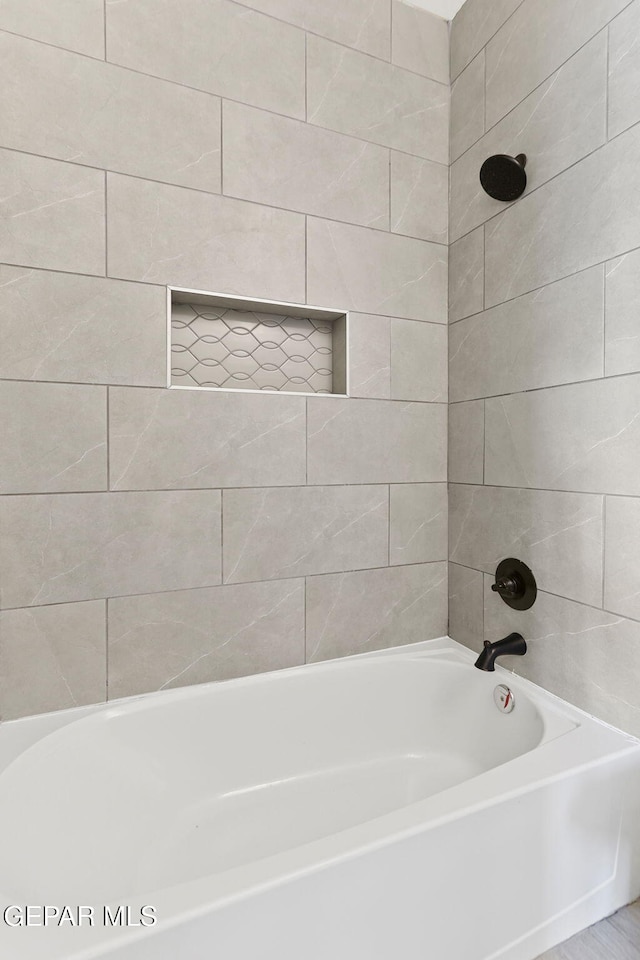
point(166, 640)
point(622, 308)
point(273, 533)
point(467, 107)
point(536, 241)
point(363, 24)
point(219, 47)
point(419, 197)
point(287, 163)
point(61, 326)
point(609, 938)
point(582, 437)
point(374, 272)
point(560, 634)
point(562, 121)
point(353, 613)
point(418, 361)
point(43, 200)
point(75, 24)
point(375, 441)
point(420, 41)
point(164, 234)
point(466, 442)
point(52, 658)
point(539, 37)
point(559, 535)
point(106, 117)
point(551, 336)
point(53, 436)
point(168, 439)
point(369, 356)
point(466, 606)
point(376, 101)
point(473, 26)
point(417, 522)
point(84, 546)
point(624, 70)
point(466, 275)
point(622, 553)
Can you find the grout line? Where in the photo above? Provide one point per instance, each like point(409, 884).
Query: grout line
point(558, 596)
point(551, 386)
point(604, 542)
point(222, 535)
point(488, 41)
point(108, 433)
point(484, 440)
point(106, 225)
point(222, 193)
point(545, 183)
point(508, 486)
point(231, 197)
point(236, 583)
point(538, 85)
point(606, 85)
point(389, 525)
point(106, 648)
point(277, 486)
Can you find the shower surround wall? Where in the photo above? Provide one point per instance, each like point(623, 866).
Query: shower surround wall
point(544, 341)
point(274, 149)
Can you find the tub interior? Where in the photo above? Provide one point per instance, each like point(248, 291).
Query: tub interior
point(167, 789)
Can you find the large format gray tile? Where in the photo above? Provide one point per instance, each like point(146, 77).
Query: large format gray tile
point(559, 535)
point(165, 234)
point(616, 936)
point(160, 641)
point(83, 546)
point(418, 361)
point(622, 553)
point(167, 439)
point(106, 117)
point(417, 522)
point(624, 70)
point(553, 335)
point(538, 38)
point(466, 275)
point(61, 326)
point(466, 442)
point(75, 24)
point(369, 356)
point(363, 24)
point(467, 107)
point(287, 163)
point(352, 93)
point(353, 613)
point(420, 41)
point(375, 441)
point(466, 606)
point(53, 436)
point(560, 634)
point(374, 272)
point(52, 658)
point(580, 437)
point(419, 197)
point(215, 45)
point(273, 533)
point(622, 300)
point(42, 201)
point(552, 127)
point(473, 26)
point(536, 240)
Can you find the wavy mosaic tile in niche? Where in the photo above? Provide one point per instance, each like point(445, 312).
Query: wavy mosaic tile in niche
point(241, 349)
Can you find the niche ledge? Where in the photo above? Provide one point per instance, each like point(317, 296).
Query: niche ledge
point(221, 342)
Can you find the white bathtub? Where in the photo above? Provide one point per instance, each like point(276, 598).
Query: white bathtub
point(374, 808)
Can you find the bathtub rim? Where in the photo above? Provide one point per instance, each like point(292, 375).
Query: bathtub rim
point(591, 743)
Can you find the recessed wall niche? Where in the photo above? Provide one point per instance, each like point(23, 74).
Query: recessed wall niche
point(220, 342)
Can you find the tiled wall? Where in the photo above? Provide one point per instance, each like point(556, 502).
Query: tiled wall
point(275, 149)
point(544, 341)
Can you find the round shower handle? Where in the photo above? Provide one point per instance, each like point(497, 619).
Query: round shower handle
point(515, 584)
point(512, 586)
